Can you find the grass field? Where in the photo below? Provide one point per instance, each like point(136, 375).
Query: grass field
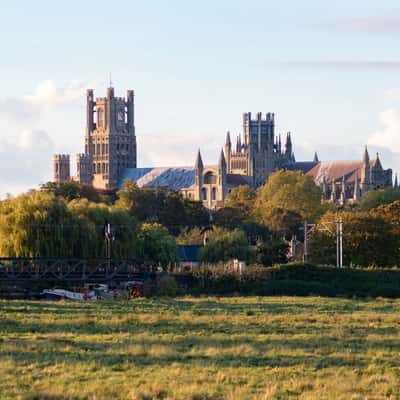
point(209, 348)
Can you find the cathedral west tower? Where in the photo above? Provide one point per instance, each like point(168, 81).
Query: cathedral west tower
point(110, 140)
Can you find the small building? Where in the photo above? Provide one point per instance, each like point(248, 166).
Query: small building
point(188, 255)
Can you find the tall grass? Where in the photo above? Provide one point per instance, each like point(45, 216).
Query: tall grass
point(207, 348)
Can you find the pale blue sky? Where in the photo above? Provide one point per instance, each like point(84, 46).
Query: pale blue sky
point(329, 70)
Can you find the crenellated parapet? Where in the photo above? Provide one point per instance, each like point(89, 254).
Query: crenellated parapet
point(61, 167)
point(84, 169)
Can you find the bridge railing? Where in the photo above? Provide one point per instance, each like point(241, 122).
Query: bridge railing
point(19, 269)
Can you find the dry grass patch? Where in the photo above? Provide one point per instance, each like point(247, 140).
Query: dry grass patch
point(207, 348)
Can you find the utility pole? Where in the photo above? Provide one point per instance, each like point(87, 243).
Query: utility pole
point(339, 243)
point(108, 237)
point(305, 256)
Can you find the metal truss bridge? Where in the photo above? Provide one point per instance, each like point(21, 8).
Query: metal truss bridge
point(29, 270)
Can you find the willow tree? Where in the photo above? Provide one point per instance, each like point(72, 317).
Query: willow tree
point(124, 229)
point(33, 225)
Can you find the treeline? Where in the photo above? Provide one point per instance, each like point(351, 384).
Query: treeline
point(69, 220)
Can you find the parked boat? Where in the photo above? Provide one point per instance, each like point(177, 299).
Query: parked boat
point(62, 294)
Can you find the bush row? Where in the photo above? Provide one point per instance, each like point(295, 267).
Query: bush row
point(295, 280)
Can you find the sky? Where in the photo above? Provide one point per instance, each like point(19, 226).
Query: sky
point(329, 70)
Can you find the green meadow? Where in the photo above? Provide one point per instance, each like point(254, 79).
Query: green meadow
point(201, 349)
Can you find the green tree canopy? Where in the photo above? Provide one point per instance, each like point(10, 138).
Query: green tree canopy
point(71, 190)
point(288, 191)
point(375, 198)
point(157, 244)
point(162, 206)
point(367, 240)
point(228, 217)
point(191, 236)
point(124, 227)
point(282, 221)
point(39, 225)
point(241, 198)
point(390, 213)
point(270, 252)
point(224, 245)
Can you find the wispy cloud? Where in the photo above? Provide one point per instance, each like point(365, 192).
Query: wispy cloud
point(24, 161)
point(26, 145)
point(170, 150)
point(392, 94)
point(388, 136)
point(46, 95)
point(375, 24)
point(384, 65)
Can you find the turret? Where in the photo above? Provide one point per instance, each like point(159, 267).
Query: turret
point(61, 164)
point(221, 177)
point(222, 161)
point(279, 144)
point(288, 147)
point(199, 162)
point(333, 192)
point(343, 192)
point(259, 134)
point(130, 103)
point(228, 151)
point(356, 194)
point(110, 92)
point(84, 165)
point(198, 176)
point(89, 111)
point(365, 172)
point(323, 188)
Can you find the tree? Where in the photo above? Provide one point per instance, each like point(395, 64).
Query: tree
point(70, 190)
point(270, 252)
point(389, 213)
point(40, 224)
point(142, 203)
point(242, 198)
point(282, 222)
point(196, 214)
point(226, 245)
point(162, 206)
point(124, 229)
point(367, 240)
point(191, 236)
point(157, 244)
point(287, 199)
point(375, 198)
point(228, 217)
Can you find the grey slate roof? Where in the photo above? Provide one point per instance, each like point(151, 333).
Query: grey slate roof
point(175, 178)
point(188, 252)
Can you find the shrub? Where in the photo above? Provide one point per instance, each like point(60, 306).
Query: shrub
point(167, 286)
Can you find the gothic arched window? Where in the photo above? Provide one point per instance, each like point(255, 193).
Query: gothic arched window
point(204, 194)
point(214, 194)
point(100, 117)
point(210, 178)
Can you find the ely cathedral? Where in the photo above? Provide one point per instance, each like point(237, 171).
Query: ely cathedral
point(110, 158)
